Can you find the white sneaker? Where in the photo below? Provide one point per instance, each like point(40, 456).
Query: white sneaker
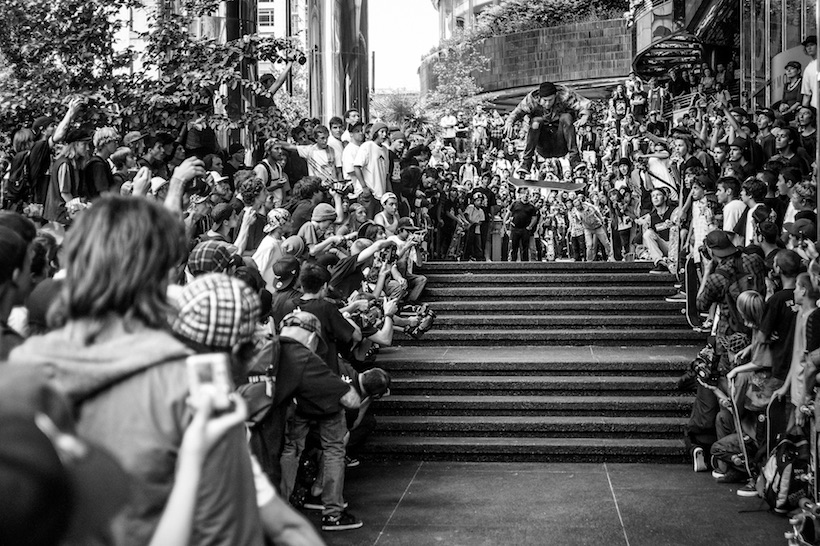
point(698, 462)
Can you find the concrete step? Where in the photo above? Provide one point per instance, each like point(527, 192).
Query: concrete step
point(639, 307)
point(487, 448)
point(548, 278)
point(538, 321)
point(530, 426)
point(539, 360)
point(556, 385)
point(541, 405)
point(517, 267)
point(434, 293)
point(578, 336)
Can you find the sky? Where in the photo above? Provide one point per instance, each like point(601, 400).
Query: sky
point(401, 32)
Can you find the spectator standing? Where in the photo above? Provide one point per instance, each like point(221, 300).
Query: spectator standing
point(448, 124)
point(66, 177)
point(809, 85)
point(98, 172)
point(523, 217)
point(40, 158)
point(370, 165)
point(271, 172)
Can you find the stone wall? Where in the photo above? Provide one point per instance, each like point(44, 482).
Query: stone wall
point(568, 53)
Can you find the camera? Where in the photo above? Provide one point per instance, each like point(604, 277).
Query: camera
point(211, 373)
point(342, 187)
point(391, 255)
point(704, 367)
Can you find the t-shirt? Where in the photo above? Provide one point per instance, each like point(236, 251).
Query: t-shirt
point(97, 177)
point(372, 158)
point(309, 234)
point(448, 126)
point(39, 161)
point(322, 162)
point(732, 211)
point(778, 322)
point(302, 213)
point(522, 214)
point(809, 85)
point(346, 276)
point(279, 301)
point(490, 200)
point(335, 328)
point(348, 159)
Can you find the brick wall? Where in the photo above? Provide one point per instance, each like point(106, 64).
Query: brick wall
point(581, 51)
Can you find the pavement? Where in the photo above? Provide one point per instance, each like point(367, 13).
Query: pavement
point(414, 503)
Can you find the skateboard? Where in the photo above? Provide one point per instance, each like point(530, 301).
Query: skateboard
point(742, 437)
point(692, 284)
point(549, 242)
point(673, 254)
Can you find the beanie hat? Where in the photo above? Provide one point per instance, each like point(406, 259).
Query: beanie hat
point(547, 89)
point(397, 135)
point(376, 128)
point(323, 212)
point(217, 311)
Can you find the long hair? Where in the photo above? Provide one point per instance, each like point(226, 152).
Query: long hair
point(23, 140)
point(750, 306)
point(118, 256)
point(72, 151)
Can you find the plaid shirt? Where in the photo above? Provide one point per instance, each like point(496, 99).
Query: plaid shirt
point(716, 286)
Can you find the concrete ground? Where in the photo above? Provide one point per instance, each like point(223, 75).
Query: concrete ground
point(436, 503)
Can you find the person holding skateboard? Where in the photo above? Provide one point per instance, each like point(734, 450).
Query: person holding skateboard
point(552, 110)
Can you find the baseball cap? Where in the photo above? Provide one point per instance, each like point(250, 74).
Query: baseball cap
point(407, 223)
point(803, 228)
point(41, 123)
point(212, 257)
point(77, 135)
point(276, 218)
point(740, 111)
point(740, 142)
point(812, 39)
point(217, 311)
point(285, 271)
point(132, 137)
point(293, 246)
point(306, 321)
point(216, 177)
point(221, 212)
point(720, 244)
point(768, 112)
point(235, 147)
point(56, 486)
point(794, 64)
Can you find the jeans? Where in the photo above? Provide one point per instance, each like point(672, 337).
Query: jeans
point(590, 236)
point(332, 432)
point(658, 248)
point(552, 139)
point(415, 286)
point(578, 248)
point(520, 240)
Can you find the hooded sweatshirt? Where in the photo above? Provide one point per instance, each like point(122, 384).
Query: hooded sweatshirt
point(129, 391)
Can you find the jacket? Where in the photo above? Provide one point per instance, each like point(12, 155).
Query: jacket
point(128, 392)
point(566, 101)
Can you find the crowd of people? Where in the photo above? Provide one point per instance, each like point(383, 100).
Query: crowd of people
point(207, 321)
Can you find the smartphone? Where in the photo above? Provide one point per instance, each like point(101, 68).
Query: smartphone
point(211, 373)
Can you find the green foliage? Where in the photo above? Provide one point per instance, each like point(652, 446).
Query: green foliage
point(521, 15)
point(52, 50)
point(456, 88)
point(401, 110)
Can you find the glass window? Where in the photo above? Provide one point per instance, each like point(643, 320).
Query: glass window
point(793, 37)
point(265, 17)
point(810, 20)
point(775, 27)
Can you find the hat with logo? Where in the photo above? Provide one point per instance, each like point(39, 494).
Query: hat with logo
point(217, 311)
point(720, 244)
point(276, 218)
point(285, 272)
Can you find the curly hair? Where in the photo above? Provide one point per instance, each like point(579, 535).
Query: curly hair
point(250, 189)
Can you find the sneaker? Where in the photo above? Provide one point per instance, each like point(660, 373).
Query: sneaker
point(716, 473)
point(680, 297)
point(678, 285)
point(659, 269)
point(343, 522)
point(698, 462)
point(352, 462)
point(748, 490)
point(733, 476)
point(313, 502)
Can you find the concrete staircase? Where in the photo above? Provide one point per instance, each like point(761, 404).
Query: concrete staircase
point(539, 362)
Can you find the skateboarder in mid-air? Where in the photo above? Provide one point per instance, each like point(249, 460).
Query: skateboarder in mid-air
point(552, 110)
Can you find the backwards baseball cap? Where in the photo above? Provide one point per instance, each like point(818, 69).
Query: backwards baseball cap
point(77, 135)
point(217, 311)
point(803, 228)
point(306, 321)
point(41, 123)
point(768, 112)
point(407, 223)
point(285, 271)
point(56, 487)
point(720, 244)
point(212, 257)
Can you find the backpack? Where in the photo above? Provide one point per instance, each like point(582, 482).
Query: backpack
point(18, 187)
point(785, 478)
point(259, 390)
point(589, 219)
point(739, 282)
